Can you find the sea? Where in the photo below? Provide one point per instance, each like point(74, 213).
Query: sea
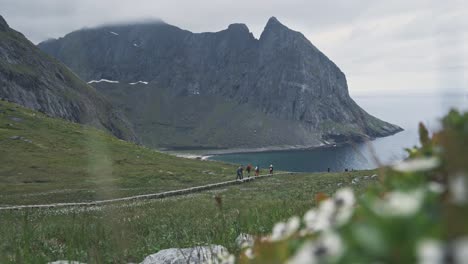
point(405, 111)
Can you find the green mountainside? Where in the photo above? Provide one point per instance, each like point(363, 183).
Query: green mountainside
point(33, 79)
point(54, 160)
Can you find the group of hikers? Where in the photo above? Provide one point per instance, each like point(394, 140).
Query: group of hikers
point(248, 169)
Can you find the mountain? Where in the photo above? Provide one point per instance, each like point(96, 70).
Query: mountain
point(219, 90)
point(35, 80)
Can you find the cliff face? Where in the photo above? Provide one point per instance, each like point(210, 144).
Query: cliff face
point(220, 89)
point(33, 79)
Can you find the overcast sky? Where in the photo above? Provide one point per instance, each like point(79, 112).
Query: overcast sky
point(410, 46)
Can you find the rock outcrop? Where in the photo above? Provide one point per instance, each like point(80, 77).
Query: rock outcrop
point(195, 255)
point(222, 89)
point(35, 80)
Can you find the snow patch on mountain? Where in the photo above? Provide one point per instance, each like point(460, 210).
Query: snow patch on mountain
point(142, 82)
point(103, 80)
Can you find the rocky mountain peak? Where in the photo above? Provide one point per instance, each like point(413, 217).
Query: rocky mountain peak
point(273, 23)
point(203, 86)
point(239, 27)
point(275, 28)
point(3, 24)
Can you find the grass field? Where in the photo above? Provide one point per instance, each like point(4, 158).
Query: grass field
point(47, 160)
point(127, 232)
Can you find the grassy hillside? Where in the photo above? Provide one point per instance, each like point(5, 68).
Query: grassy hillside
point(127, 232)
point(46, 159)
point(51, 160)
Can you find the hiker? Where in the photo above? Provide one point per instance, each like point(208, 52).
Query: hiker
point(240, 173)
point(248, 169)
point(271, 169)
point(257, 171)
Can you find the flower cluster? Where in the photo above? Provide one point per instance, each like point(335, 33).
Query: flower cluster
point(416, 213)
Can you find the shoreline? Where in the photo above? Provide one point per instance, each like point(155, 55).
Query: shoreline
point(206, 153)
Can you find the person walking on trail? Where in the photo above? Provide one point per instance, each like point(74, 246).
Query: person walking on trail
point(271, 169)
point(257, 171)
point(248, 169)
point(240, 173)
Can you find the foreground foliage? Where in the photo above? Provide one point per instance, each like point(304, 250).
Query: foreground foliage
point(418, 214)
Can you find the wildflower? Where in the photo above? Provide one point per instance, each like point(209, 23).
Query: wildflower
point(282, 230)
point(436, 187)
point(292, 225)
point(328, 245)
point(279, 231)
point(325, 215)
point(305, 255)
point(458, 188)
point(327, 208)
point(310, 218)
point(332, 243)
point(418, 164)
point(430, 251)
point(249, 253)
point(344, 197)
point(344, 201)
point(399, 203)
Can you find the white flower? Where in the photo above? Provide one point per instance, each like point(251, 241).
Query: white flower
point(326, 211)
point(292, 225)
point(321, 219)
point(399, 203)
point(458, 188)
point(328, 245)
point(430, 251)
point(417, 164)
point(283, 230)
point(322, 223)
point(436, 187)
point(279, 231)
point(310, 218)
point(344, 200)
point(249, 253)
point(332, 243)
point(460, 250)
point(344, 197)
point(327, 208)
point(305, 255)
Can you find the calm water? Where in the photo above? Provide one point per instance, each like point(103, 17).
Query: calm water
point(405, 111)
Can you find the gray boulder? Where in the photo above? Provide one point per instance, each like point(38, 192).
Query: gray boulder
point(195, 255)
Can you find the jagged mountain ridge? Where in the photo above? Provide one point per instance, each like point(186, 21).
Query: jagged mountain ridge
point(294, 92)
point(33, 79)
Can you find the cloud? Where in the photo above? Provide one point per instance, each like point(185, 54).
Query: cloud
point(380, 45)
